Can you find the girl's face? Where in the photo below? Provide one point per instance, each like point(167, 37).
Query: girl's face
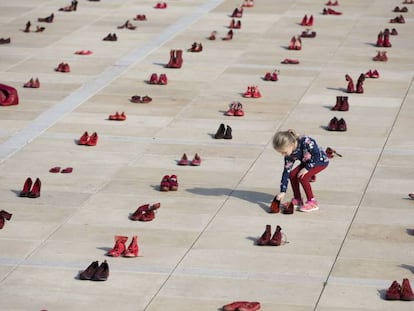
point(287, 151)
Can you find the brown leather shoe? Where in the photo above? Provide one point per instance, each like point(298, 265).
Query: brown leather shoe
point(88, 273)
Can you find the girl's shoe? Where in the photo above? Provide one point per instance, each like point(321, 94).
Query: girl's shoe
point(297, 203)
point(309, 206)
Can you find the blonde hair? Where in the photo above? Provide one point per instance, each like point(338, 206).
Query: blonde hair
point(283, 139)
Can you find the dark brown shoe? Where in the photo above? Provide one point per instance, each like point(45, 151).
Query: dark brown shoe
point(265, 238)
point(5, 214)
point(227, 134)
point(220, 131)
point(101, 273)
point(90, 271)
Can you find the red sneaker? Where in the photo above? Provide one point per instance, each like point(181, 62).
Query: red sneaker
point(165, 184)
point(173, 182)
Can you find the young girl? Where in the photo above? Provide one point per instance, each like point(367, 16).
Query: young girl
point(312, 161)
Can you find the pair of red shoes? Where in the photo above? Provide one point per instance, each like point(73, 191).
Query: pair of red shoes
point(329, 11)
point(290, 61)
point(176, 59)
point(373, 74)
point(295, 44)
point(87, 140)
point(341, 104)
point(271, 76)
point(398, 20)
point(117, 116)
point(287, 208)
point(252, 92)
point(142, 100)
point(268, 239)
point(56, 169)
point(29, 191)
point(84, 52)
point(121, 249)
point(383, 39)
point(337, 125)
point(248, 3)
point(196, 161)
point(307, 22)
point(160, 5)
point(3, 217)
point(330, 152)
point(169, 183)
point(236, 109)
point(161, 80)
point(145, 212)
point(32, 83)
point(63, 67)
point(196, 47)
point(380, 57)
point(235, 24)
point(242, 306)
point(329, 3)
point(359, 87)
point(140, 17)
point(400, 292)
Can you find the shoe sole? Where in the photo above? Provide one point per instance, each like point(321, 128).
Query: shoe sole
point(309, 210)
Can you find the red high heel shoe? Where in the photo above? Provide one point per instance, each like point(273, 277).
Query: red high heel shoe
point(292, 43)
point(26, 187)
point(310, 21)
point(196, 161)
point(304, 21)
point(350, 87)
point(298, 44)
point(380, 41)
point(119, 247)
point(132, 250)
point(35, 192)
point(184, 160)
point(93, 140)
point(229, 35)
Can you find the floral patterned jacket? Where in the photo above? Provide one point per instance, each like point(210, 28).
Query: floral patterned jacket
point(309, 155)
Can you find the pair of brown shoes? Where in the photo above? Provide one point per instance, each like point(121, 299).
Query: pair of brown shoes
point(142, 100)
point(223, 132)
point(95, 272)
point(111, 37)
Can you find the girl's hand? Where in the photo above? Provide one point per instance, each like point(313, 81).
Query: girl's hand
point(302, 172)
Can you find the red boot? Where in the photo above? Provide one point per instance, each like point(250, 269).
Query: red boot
point(132, 250)
point(119, 247)
point(265, 238)
point(406, 291)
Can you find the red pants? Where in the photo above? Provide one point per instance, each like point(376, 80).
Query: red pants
point(304, 181)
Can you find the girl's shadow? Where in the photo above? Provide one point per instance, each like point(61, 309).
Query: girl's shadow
point(260, 198)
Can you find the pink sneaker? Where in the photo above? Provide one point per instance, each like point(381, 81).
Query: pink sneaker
point(310, 206)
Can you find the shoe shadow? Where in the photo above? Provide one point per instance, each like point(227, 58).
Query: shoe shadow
point(342, 89)
point(328, 107)
point(261, 199)
point(371, 44)
point(16, 192)
point(382, 293)
point(408, 267)
point(252, 238)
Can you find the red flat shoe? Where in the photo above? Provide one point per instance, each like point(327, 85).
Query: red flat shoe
point(93, 139)
point(114, 117)
point(83, 140)
point(173, 183)
point(29, 83)
point(212, 35)
point(239, 112)
point(84, 52)
point(163, 80)
point(165, 183)
point(55, 169)
point(67, 170)
point(146, 99)
point(122, 116)
point(290, 61)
